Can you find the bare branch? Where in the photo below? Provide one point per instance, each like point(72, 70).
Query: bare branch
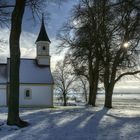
point(6, 6)
point(126, 73)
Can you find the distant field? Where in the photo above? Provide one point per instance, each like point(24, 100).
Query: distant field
point(118, 98)
point(123, 95)
point(122, 103)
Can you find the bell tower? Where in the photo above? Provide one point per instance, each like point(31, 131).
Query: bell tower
point(43, 44)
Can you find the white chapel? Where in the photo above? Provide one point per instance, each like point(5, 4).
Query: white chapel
point(36, 81)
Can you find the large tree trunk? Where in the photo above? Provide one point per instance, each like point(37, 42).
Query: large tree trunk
point(96, 80)
point(93, 101)
point(90, 94)
point(108, 96)
point(108, 100)
point(93, 90)
point(91, 82)
point(94, 93)
point(109, 84)
point(13, 105)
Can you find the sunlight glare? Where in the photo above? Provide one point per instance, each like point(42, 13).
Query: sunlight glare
point(126, 45)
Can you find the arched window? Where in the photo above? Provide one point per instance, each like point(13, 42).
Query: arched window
point(44, 48)
point(27, 94)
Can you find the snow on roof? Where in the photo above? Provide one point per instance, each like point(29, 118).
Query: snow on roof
point(30, 72)
point(3, 73)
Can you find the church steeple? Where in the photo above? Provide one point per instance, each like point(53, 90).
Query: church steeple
point(43, 34)
point(43, 45)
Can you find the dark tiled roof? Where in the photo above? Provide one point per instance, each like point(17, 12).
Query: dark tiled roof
point(43, 34)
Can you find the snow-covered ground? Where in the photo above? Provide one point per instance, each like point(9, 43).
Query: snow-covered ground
point(77, 123)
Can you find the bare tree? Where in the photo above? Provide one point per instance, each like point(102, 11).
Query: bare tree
point(84, 43)
point(120, 39)
point(84, 87)
point(99, 40)
point(13, 105)
point(64, 79)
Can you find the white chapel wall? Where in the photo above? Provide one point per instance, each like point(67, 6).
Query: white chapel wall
point(3, 95)
point(41, 95)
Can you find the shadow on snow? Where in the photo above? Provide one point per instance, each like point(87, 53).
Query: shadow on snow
point(74, 124)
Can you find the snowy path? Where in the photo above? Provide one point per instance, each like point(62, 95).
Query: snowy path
point(76, 123)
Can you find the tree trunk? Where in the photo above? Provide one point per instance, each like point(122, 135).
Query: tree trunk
point(13, 105)
point(108, 100)
point(108, 96)
point(65, 99)
point(90, 94)
point(93, 93)
point(96, 80)
point(109, 85)
point(93, 101)
point(91, 82)
point(93, 86)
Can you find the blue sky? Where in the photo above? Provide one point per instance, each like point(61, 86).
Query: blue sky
point(57, 15)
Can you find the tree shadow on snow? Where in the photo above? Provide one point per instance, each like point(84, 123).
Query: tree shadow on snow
point(76, 123)
point(126, 128)
point(70, 124)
